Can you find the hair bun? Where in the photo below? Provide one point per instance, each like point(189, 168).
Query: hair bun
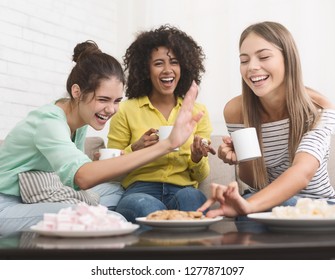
point(83, 49)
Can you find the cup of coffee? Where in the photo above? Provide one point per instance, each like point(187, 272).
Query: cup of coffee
point(109, 153)
point(164, 132)
point(246, 144)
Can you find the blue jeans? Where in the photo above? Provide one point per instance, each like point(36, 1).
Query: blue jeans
point(143, 198)
point(17, 216)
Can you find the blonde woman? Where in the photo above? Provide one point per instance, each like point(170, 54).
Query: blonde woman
point(294, 126)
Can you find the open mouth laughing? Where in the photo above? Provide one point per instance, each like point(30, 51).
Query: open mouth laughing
point(168, 80)
point(102, 117)
point(257, 79)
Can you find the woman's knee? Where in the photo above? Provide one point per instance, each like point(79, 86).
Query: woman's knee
point(190, 193)
point(187, 199)
point(138, 205)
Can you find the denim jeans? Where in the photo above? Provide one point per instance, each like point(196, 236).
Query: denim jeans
point(143, 198)
point(17, 216)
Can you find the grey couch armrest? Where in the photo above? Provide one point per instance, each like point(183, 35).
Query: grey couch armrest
point(92, 145)
point(223, 173)
point(220, 172)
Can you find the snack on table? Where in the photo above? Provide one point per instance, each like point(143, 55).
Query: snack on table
point(305, 208)
point(205, 142)
point(175, 215)
point(83, 218)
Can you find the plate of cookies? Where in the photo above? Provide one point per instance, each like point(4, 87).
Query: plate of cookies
point(177, 220)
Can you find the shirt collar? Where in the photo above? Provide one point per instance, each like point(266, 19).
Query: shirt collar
point(144, 100)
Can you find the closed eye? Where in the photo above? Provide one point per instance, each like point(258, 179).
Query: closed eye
point(158, 62)
point(174, 62)
point(118, 100)
point(102, 99)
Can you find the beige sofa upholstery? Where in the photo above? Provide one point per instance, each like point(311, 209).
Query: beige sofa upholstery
point(331, 162)
point(219, 172)
point(92, 145)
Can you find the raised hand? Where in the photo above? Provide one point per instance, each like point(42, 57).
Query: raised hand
point(185, 122)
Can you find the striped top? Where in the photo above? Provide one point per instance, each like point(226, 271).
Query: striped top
point(315, 142)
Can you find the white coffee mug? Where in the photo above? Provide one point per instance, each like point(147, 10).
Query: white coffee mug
point(109, 153)
point(246, 144)
point(164, 132)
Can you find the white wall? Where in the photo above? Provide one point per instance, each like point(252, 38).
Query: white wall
point(217, 24)
point(36, 44)
point(37, 39)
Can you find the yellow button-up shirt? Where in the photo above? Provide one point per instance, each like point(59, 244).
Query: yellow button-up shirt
point(134, 118)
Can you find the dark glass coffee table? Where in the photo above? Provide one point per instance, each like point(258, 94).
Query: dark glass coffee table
point(227, 239)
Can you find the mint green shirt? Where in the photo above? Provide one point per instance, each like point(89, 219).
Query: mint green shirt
point(42, 141)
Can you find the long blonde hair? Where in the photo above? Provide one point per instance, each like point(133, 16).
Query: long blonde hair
point(303, 114)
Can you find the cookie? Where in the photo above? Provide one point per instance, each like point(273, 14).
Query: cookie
point(175, 215)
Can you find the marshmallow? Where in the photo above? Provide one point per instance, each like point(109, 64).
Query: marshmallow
point(83, 218)
point(305, 208)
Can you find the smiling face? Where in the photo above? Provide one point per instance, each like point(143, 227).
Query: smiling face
point(164, 71)
point(96, 110)
point(262, 66)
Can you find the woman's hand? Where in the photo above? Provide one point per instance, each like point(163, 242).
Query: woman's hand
point(200, 148)
point(226, 151)
point(149, 138)
point(185, 122)
point(231, 202)
point(96, 156)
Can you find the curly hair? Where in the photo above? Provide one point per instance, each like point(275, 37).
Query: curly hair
point(136, 60)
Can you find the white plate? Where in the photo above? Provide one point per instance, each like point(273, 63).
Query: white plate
point(86, 233)
point(179, 225)
point(284, 225)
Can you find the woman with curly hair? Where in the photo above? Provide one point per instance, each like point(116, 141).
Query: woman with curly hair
point(161, 65)
point(50, 141)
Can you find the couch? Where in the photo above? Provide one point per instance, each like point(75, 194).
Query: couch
point(219, 172)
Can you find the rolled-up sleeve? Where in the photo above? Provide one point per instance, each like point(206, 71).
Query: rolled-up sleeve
point(64, 156)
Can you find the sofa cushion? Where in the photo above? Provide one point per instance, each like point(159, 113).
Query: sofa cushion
point(92, 145)
point(220, 172)
point(331, 161)
point(39, 186)
point(223, 173)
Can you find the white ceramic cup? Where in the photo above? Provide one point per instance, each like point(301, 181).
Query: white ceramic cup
point(109, 153)
point(164, 132)
point(246, 144)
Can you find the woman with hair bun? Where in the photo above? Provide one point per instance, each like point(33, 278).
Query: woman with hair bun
point(51, 139)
